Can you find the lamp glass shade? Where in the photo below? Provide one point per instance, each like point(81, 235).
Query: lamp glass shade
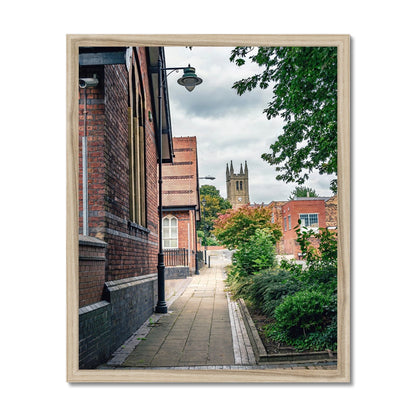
point(189, 79)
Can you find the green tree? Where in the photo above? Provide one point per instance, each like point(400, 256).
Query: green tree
point(303, 192)
point(215, 205)
point(304, 81)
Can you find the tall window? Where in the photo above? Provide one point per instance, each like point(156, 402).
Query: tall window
point(236, 184)
point(241, 185)
point(285, 224)
point(309, 220)
point(290, 222)
point(136, 147)
point(170, 232)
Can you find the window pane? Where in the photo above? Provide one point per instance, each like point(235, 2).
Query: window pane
point(304, 220)
point(166, 222)
point(313, 220)
point(173, 222)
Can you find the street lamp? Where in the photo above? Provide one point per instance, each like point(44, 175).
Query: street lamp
point(189, 80)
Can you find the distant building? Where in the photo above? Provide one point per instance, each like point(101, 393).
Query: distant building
point(181, 208)
point(314, 213)
point(237, 186)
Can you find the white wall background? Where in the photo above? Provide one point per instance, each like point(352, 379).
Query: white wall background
point(32, 163)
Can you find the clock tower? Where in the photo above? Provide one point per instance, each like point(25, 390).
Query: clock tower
point(237, 186)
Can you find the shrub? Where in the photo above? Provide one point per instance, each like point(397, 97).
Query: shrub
point(306, 320)
point(258, 253)
point(269, 288)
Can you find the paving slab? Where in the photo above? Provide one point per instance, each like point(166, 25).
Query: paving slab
point(197, 330)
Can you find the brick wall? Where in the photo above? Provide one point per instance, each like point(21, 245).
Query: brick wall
point(132, 250)
point(94, 334)
point(91, 270)
point(294, 208)
point(116, 295)
point(185, 239)
point(331, 211)
point(277, 218)
point(95, 122)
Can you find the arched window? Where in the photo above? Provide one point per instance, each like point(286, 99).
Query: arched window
point(170, 232)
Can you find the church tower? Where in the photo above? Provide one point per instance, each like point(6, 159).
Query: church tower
point(237, 185)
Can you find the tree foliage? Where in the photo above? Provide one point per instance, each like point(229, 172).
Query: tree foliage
point(303, 192)
point(256, 254)
point(215, 205)
point(236, 228)
point(304, 81)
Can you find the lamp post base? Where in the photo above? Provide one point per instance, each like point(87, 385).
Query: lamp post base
point(161, 306)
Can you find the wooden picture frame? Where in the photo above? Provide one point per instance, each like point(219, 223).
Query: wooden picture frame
point(342, 372)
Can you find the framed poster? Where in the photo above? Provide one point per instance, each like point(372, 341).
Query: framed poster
point(148, 296)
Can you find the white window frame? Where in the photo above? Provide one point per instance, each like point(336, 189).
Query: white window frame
point(305, 226)
point(168, 234)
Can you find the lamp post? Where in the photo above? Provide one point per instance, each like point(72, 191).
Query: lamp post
point(189, 80)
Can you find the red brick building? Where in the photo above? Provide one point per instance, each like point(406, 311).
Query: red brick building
point(181, 209)
point(314, 213)
point(118, 189)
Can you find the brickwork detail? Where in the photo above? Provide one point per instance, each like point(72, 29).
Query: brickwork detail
point(91, 270)
point(94, 334)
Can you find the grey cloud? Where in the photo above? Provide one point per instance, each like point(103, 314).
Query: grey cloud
point(227, 126)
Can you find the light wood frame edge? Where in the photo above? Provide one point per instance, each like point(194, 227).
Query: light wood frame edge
point(342, 373)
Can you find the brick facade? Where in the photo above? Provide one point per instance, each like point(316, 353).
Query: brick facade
point(331, 211)
point(181, 194)
point(288, 213)
point(91, 269)
point(118, 279)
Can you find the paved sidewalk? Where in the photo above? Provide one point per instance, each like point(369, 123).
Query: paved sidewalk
point(196, 331)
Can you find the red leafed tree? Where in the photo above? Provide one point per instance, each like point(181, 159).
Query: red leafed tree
point(235, 228)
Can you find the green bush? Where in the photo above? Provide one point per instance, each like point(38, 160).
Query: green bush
point(258, 253)
point(269, 287)
point(306, 320)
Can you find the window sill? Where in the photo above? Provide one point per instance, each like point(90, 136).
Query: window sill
point(137, 227)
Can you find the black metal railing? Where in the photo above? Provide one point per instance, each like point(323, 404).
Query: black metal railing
point(176, 257)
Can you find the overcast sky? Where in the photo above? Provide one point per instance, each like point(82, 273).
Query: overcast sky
point(227, 126)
